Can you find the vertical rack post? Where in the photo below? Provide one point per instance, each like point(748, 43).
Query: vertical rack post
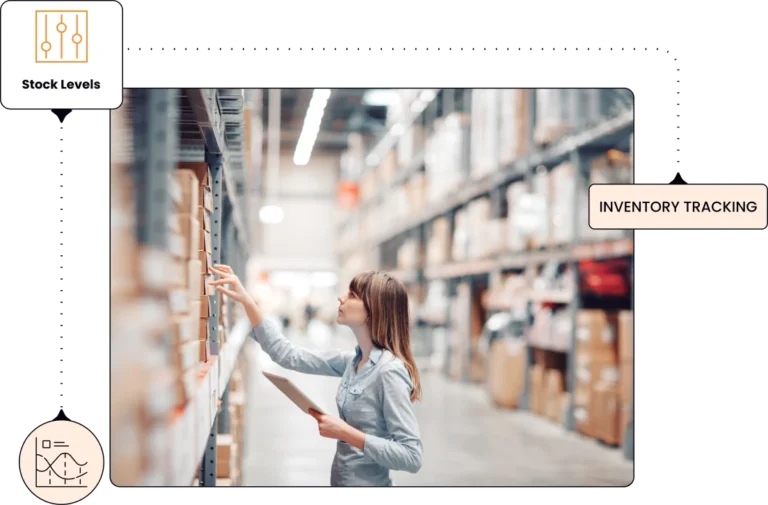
point(529, 96)
point(215, 163)
point(579, 165)
point(224, 420)
point(629, 433)
point(208, 465)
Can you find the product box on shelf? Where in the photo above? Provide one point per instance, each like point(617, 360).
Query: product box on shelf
point(206, 198)
point(205, 241)
point(555, 386)
point(206, 261)
point(506, 372)
point(516, 238)
point(553, 110)
point(597, 373)
point(604, 412)
point(188, 184)
point(626, 358)
point(537, 392)
point(205, 306)
point(183, 454)
point(204, 218)
point(202, 401)
point(513, 124)
point(127, 455)
point(484, 132)
point(194, 278)
point(226, 454)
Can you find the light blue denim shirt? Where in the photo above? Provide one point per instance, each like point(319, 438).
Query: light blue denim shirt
point(376, 401)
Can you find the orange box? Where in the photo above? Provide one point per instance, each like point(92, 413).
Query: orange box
point(204, 218)
point(205, 241)
point(205, 306)
point(188, 183)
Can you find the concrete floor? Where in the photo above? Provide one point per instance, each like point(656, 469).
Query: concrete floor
point(467, 442)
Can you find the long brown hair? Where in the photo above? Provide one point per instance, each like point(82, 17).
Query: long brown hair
point(386, 302)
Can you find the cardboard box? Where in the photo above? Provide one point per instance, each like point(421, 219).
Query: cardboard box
point(506, 372)
point(554, 386)
point(205, 307)
point(626, 382)
point(206, 261)
point(190, 352)
point(204, 350)
point(206, 198)
point(582, 420)
point(205, 241)
point(537, 392)
point(194, 237)
point(594, 366)
point(181, 330)
point(177, 276)
point(194, 278)
point(202, 329)
point(226, 456)
point(177, 245)
point(201, 171)
point(178, 301)
point(596, 330)
point(194, 314)
point(188, 183)
point(174, 223)
point(204, 218)
point(626, 336)
point(174, 190)
point(205, 287)
point(605, 413)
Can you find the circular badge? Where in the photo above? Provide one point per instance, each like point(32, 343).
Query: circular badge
point(61, 461)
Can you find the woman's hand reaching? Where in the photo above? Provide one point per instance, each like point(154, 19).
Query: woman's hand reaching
point(234, 289)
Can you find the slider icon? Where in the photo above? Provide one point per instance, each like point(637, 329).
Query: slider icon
point(61, 36)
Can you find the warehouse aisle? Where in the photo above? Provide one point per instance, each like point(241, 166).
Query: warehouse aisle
point(466, 440)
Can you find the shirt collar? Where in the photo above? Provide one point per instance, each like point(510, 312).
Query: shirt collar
point(374, 356)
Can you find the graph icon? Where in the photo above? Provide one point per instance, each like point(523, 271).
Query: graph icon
point(61, 36)
point(52, 459)
point(61, 461)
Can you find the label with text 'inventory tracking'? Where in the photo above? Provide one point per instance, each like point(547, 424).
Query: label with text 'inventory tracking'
point(678, 206)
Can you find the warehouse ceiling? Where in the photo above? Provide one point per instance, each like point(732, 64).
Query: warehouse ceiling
point(346, 112)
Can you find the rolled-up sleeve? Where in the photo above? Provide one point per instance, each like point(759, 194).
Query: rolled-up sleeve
point(402, 449)
point(288, 355)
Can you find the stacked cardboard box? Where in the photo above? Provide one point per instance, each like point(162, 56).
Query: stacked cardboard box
point(516, 237)
point(460, 245)
point(409, 144)
point(447, 156)
point(596, 376)
point(484, 134)
point(614, 167)
point(409, 254)
point(439, 242)
point(553, 115)
point(229, 446)
point(237, 397)
point(226, 457)
point(547, 395)
point(202, 227)
point(506, 372)
point(415, 189)
point(184, 324)
point(513, 124)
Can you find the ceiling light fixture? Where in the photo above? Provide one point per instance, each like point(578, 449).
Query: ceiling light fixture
point(311, 126)
point(380, 97)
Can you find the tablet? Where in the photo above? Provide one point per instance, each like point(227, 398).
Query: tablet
point(293, 393)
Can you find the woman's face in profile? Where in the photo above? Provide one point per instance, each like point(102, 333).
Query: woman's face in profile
point(352, 311)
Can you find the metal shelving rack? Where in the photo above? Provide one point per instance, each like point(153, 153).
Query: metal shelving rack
point(195, 125)
point(585, 141)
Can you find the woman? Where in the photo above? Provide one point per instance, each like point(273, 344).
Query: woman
point(377, 430)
